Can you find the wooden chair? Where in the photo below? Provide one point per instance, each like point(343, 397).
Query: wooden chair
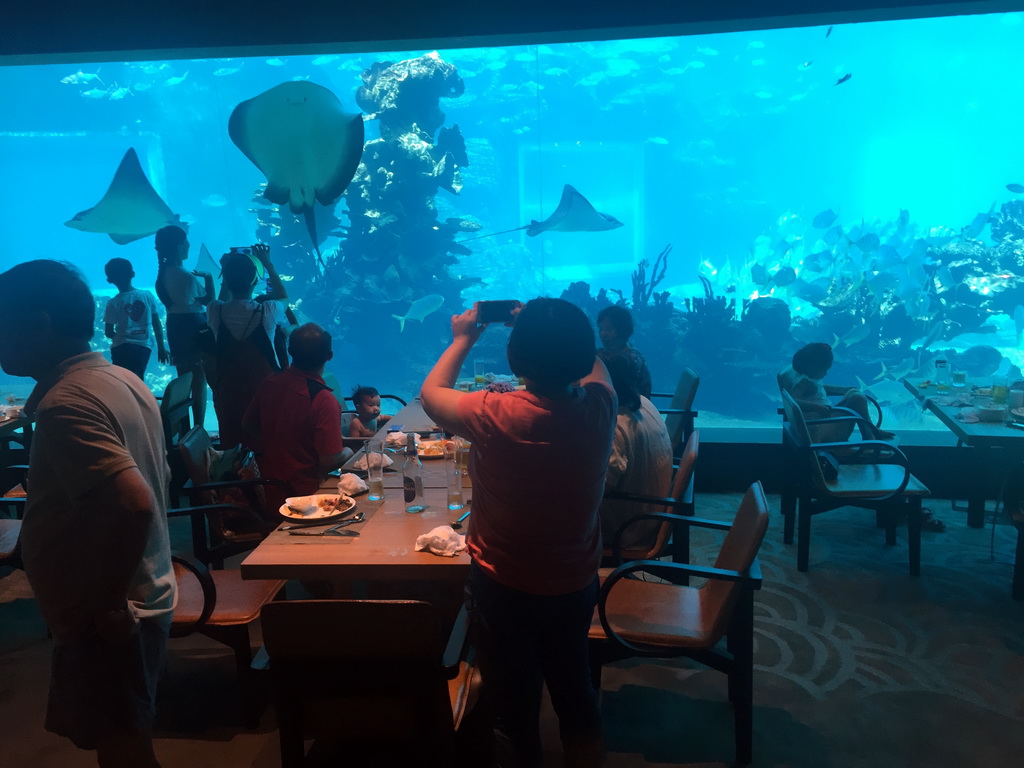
point(228, 516)
point(176, 415)
point(872, 474)
point(670, 538)
point(665, 620)
point(223, 606)
point(373, 673)
point(679, 415)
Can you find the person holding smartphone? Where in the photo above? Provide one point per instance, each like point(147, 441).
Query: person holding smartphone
point(538, 463)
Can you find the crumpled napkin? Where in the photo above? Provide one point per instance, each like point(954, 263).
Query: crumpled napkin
point(360, 463)
point(398, 439)
point(350, 484)
point(443, 541)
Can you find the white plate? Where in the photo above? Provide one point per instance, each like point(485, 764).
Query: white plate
point(322, 515)
point(425, 444)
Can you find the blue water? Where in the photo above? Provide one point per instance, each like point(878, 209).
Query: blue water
point(706, 143)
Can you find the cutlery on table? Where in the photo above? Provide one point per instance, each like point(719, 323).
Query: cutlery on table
point(356, 518)
point(458, 523)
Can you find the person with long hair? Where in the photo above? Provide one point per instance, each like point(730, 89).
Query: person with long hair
point(184, 295)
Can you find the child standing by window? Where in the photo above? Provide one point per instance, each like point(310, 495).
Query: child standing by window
point(368, 418)
point(131, 321)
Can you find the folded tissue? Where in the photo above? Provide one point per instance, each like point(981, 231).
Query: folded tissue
point(398, 440)
point(351, 485)
point(443, 541)
point(375, 458)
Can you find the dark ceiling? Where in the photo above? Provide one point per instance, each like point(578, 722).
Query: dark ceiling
point(64, 30)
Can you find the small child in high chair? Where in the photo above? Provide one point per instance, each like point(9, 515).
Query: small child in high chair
point(131, 321)
point(803, 380)
point(368, 418)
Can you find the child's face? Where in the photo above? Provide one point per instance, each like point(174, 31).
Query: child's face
point(368, 408)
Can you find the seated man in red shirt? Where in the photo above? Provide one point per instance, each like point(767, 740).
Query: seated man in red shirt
point(538, 466)
point(295, 421)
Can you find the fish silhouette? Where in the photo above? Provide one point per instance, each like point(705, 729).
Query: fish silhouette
point(1016, 188)
point(419, 309)
point(843, 79)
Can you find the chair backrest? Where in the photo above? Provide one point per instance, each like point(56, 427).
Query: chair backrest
point(795, 425)
point(196, 449)
point(681, 488)
point(175, 408)
point(737, 554)
point(680, 424)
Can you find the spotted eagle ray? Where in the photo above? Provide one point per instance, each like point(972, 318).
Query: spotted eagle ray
point(304, 142)
point(573, 214)
point(130, 209)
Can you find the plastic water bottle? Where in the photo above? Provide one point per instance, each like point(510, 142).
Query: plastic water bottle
point(412, 476)
point(942, 375)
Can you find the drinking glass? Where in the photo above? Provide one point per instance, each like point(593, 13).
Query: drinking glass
point(959, 378)
point(999, 387)
point(453, 476)
point(375, 469)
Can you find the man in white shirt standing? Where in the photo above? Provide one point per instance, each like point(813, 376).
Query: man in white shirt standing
point(94, 539)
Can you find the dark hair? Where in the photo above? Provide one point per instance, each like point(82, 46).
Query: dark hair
point(54, 287)
point(620, 319)
point(360, 392)
point(119, 269)
point(168, 240)
point(310, 347)
point(625, 375)
point(551, 343)
point(813, 357)
point(238, 272)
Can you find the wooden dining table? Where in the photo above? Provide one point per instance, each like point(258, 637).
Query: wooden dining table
point(991, 444)
point(384, 551)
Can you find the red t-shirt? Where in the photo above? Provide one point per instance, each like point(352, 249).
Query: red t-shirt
point(538, 469)
point(299, 420)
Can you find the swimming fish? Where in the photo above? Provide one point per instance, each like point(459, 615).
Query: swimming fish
point(843, 79)
point(419, 309)
point(177, 80)
point(828, 32)
point(784, 276)
point(824, 219)
point(1016, 188)
point(119, 93)
point(131, 209)
point(573, 214)
point(96, 93)
point(305, 143)
point(898, 371)
point(80, 77)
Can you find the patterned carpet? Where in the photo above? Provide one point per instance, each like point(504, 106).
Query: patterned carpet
point(857, 665)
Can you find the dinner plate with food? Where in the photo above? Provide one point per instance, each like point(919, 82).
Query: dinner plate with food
point(432, 449)
point(321, 507)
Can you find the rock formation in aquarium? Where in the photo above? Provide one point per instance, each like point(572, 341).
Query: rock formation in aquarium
point(396, 251)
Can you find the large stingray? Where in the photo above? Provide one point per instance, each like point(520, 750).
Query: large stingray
point(303, 141)
point(573, 214)
point(130, 209)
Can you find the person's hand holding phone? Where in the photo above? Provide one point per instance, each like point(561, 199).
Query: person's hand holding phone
point(467, 325)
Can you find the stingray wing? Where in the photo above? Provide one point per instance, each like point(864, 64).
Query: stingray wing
point(573, 214)
point(301, 138)
point(131, 209)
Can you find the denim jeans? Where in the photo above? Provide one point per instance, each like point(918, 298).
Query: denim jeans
point(524, 641)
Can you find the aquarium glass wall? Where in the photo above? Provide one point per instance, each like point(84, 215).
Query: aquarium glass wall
point(742, 193)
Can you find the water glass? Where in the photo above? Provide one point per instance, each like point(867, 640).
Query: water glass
point(453, 479)
point(959, 378)
point(999, 389)
point(375, 469)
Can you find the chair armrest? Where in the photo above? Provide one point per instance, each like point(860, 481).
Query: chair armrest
point(205, 509)
point(895, 456)
point(455, 650)
point(670, 572)
point(678, 412)
point(665, 501)
point(209, 587)
point(215, 485)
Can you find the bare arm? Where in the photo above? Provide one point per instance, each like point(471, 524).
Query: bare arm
point(277, 290)
point(158, 332)
point(207, 296)
point(438, 396)
point(108, 330)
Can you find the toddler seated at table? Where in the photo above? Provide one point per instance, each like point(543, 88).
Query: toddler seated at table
point(368, 418)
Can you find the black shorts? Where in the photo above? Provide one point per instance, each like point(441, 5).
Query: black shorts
point(183, 337)
point(98, 689)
